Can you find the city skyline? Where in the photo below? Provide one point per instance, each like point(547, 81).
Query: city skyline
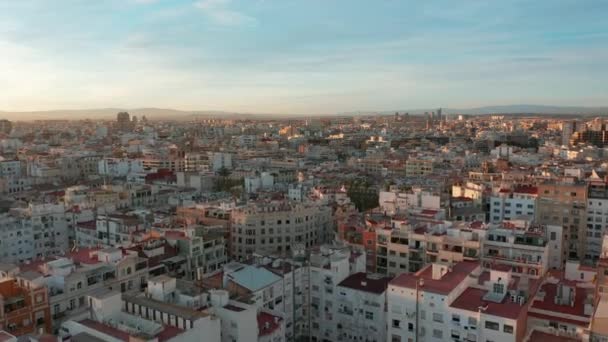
point(300, 57)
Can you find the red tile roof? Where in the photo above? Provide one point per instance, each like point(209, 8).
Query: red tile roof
point(84, 256)
point(168, 333)
point(548, 304)
point(543, 336)
point(91, 225)
point(531, 190)
point(472, 299)
point(233, 308)
point(361, 282)
point(106, 329)
point(267, 323)
point(442, 286)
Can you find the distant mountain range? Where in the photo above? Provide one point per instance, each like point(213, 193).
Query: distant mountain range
point(509, 109)
point(160, 113)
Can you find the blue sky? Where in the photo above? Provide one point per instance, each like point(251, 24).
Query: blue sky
point(305, 56)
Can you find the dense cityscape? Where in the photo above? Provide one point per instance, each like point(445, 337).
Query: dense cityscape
point(391, 228)
point(303, 171)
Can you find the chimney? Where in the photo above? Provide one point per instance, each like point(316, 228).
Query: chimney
point(439, 271)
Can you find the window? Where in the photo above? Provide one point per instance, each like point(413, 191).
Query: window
point(456, 318)
point(492, 325)
point(369, 315)
point(410, 327)
point(498, 288)
point(395, 338)
point(396, 323)
point(508, 329)
point(437, 317)
point(437, 333)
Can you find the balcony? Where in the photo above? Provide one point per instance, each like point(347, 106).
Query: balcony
point(345, 311)
point(512, 260)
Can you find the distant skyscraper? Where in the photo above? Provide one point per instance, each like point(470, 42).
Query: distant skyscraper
point(123, 121)
point(6, 126)
point(568, 128)
point(439, 117)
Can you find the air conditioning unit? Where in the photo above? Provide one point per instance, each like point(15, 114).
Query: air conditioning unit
point(521, 300)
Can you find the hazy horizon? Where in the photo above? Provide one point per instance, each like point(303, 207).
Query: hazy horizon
point(301, 57)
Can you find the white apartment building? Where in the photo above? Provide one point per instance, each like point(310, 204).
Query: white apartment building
point(527, 249)
point(407, 248)
point(108, 321)
point(111, 230)
point(597, 218)
point(329, 266)
point(508, 204)
point(70, 278)
point(204, 250)
point(274, 227)
point(475, 191)
point(446, 302)
point(39, 230)
point(361, 301)
point(12, 178)
point(243, 322)
point(264, 181)
point(119, 167)
point(295, 287)
point(221, 160)
point(564, 304)
point(392, 202)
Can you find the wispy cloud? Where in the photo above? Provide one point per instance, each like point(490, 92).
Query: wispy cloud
point(221, 13)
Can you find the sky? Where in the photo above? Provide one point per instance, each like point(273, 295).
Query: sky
point(301, 56)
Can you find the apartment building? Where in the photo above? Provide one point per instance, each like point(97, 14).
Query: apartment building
point(38, 230)
point(69, 279)
point(169, 301)
point(597, 218)
point(328, 267)
point(171, 163)
point(24, 305)
point(361, 302)
point(274, 227)
point(204, 249)
point(112, 230)
point(598, 329)
point(473, 190)
point(418, 167)
point(408, 248)
point(119, 167)
point(108, 320)
point(457, 302)
point(243, 322)
point(295, 287)
point(564, 203)
point(221, 160)
point(393, 202)
point(507, 203)
point(564, 304)
point(526, 250)
point(12, 178)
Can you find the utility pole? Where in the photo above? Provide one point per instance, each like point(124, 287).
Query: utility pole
point(417, 320)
